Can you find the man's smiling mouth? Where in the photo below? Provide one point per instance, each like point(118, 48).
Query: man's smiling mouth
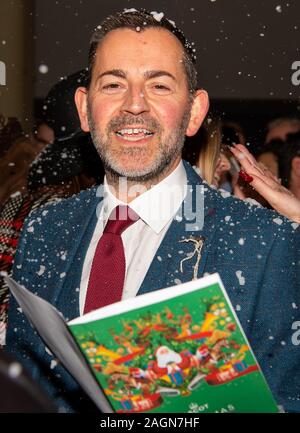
point(134, 134)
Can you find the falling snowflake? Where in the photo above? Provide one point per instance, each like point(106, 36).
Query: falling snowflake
point(14, 370)
point(43, 69)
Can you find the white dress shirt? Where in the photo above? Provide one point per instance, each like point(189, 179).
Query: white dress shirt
point(156, 208)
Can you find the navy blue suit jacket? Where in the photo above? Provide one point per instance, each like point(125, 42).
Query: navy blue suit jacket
point(255, 251)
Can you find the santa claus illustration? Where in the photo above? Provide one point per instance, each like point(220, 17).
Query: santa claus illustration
point(170, 363)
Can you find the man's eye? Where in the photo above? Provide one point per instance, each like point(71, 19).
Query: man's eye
point(161, 88)
point(111, 88)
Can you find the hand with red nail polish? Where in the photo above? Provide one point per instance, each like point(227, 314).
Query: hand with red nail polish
point(266, 184)
point(243, 175)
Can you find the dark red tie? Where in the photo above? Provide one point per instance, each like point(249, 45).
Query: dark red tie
point(108, 268)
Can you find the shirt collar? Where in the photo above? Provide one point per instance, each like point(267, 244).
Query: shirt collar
point(156, 206)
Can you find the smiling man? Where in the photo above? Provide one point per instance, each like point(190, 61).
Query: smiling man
point(89, 251)
point(141, 102)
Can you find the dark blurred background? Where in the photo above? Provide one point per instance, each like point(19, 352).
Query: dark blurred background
point(245, 51)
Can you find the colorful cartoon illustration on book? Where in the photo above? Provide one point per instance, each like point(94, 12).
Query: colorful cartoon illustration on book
point(167, 351)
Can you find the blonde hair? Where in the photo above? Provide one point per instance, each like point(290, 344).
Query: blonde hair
point(210, 150)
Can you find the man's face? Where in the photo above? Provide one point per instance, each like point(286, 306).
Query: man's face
point(138, 105)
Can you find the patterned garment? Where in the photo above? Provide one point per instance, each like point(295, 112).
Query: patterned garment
point(12, 217)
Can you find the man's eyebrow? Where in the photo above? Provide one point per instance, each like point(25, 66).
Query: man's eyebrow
point(148, 74)
point(158, 73)
point(116, 72)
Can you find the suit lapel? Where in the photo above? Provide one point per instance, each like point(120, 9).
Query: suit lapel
point(67, 293)
point(184, 250)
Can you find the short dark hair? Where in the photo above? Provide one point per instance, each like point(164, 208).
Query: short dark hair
point(139, 21)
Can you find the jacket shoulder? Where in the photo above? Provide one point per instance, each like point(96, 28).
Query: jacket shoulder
point(249, 213)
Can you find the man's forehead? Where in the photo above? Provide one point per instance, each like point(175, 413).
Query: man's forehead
point(122, 41)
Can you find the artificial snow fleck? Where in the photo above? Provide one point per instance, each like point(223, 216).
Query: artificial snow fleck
point(53, 364)
point(240, 278)
point(127, 11)
point(44, 213)
point(278, 9)
point(227, 218)
point(43, 69)
point(283, 343)
point(177, 281)
point(41, 270)
point(20, 310)
point(172, 22)
point(15, 194)
point(295, 225)
point(277, 221)
point(224, 193)
point(252, 202)
point(157, 16)
point(62, 275)
point(159, 258)
point(63, 255)
point(294, 305)
point(138, 29)
point(48, 351)
point(238, 308)
point(30, 229)
point(241, 241)
point(3, 42)
point(14, 370)
point(271, 337)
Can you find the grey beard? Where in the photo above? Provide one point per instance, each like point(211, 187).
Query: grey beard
point(170, 148)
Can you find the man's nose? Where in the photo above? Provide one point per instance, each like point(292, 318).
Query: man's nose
point(135, 102)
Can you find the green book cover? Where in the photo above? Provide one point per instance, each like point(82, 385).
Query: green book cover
point(180, 349)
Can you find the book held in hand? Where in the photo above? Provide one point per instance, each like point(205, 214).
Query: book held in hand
point(179, 349)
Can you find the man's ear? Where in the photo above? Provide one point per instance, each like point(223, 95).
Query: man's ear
point(81, 104)
point(199, 110)
point(296, 165)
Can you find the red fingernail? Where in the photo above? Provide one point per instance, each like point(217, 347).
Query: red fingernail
point(245, 176)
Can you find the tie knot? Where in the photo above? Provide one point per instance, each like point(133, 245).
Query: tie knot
point(120, 219)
